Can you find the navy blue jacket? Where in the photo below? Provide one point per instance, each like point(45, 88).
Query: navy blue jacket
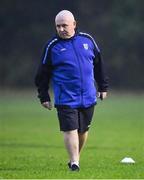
point(73, 65)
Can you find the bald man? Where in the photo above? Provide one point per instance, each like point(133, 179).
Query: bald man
point(72, 60)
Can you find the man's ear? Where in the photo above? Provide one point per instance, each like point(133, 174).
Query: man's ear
point(74, 23)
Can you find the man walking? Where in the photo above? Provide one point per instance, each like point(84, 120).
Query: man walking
point(73, 62)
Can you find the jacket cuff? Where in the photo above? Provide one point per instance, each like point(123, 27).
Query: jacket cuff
point(44, 98)
point(102, 89)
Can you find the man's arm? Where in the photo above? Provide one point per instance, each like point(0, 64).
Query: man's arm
point(42, 80)
point(100, 76)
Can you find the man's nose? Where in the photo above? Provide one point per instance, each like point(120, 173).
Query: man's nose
point(61, 29)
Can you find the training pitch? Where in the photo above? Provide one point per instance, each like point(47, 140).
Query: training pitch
point(31, 145)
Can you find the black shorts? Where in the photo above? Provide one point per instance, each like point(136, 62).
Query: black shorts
point(71, 119)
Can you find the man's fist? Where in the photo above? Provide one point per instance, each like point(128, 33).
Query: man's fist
point(102, 95)
point(47, 105)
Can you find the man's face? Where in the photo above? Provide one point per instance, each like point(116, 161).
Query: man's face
point(65, 27)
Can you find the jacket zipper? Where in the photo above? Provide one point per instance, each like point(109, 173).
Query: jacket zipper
point(80, 72)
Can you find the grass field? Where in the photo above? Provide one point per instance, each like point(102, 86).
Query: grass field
point(31, 145)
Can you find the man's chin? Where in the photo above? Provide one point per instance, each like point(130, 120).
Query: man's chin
point(64, 36)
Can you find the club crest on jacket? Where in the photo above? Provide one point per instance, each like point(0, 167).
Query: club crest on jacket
point(85, 46)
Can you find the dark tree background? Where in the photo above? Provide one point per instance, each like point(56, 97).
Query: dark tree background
point(117, 26)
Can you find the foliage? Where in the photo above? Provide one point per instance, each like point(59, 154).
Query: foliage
point(116, 25)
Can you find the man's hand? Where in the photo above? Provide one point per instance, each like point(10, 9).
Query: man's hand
point(102, 95)
point(47, 105)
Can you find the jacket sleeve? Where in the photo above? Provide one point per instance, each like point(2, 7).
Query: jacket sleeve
point(100, 74)
point(43, 76)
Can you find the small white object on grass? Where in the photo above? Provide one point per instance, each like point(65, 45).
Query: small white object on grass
point(127, 160)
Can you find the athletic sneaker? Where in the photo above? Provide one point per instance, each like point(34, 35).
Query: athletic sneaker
point(74, 167)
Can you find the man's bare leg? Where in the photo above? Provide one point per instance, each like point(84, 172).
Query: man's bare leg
point(82, 140)
point(71, 140)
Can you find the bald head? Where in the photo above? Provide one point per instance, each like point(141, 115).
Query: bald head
point(64, 14)
point(65, 24)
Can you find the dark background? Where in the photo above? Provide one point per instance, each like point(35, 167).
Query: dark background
point(117, 26)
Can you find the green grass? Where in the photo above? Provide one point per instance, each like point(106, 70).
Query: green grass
point(31, 145)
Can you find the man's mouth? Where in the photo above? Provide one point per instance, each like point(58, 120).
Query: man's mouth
point(63, 34)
